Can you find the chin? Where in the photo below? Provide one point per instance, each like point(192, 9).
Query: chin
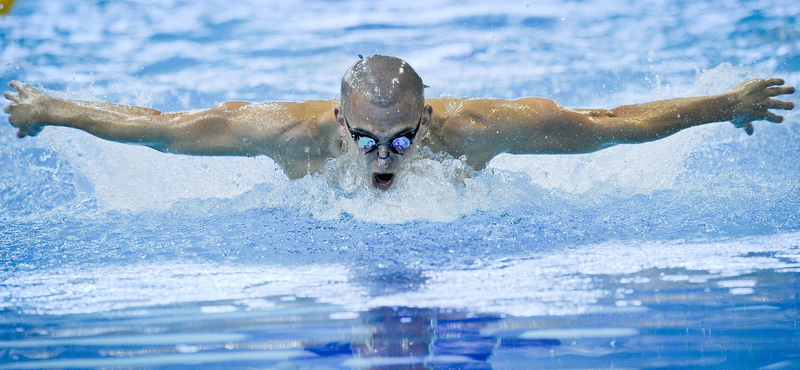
point(382, 181)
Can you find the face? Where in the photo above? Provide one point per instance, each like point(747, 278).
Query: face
point(382, 138)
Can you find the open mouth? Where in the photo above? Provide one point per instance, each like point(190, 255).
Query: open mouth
point(382, 181)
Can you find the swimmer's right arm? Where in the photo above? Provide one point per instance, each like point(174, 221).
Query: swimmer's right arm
point(232, 128)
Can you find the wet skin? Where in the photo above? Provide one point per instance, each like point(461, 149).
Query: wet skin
point(302, 136)
point(384, 124)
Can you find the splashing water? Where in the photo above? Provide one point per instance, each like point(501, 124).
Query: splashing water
point(437, 187)
point(433, 187)
point(686, 249)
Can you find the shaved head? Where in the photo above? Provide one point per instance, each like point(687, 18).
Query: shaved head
point(383, 81)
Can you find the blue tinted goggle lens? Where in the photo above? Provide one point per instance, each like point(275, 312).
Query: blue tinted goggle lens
point(401, 143)
point(369, 144)
point(365, 143)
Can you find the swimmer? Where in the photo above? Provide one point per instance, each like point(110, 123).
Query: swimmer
point(382, 118)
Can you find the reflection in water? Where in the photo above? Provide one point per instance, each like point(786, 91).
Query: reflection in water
point(381, 276)
point(399, 338)
point(415, 338)
point(682, 322)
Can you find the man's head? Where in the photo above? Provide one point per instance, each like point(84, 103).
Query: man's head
point(382, 116)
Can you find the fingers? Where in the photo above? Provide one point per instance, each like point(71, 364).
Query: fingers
point(761, 83)
point(22, 133)
point(28, 131)
point(20, 102)
point(775, 91)
point(16, 85)
point(25, 90)
point(774, 118)
point(768, 83)
point(22, 93)
point(757, 99)
point(11, 97)
point(780, 104)
point(773, 82)
point(31, 131)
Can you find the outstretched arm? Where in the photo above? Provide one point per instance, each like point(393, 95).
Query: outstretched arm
point(285, 131)
point(485, 128)
point(741, 105)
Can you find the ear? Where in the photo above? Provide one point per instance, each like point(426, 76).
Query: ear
point(425, 120)
point(340, 123)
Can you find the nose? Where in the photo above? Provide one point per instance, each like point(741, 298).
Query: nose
point(384, 156)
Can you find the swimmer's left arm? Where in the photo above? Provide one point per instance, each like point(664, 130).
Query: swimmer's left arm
point(741, 105)
point(484, 128)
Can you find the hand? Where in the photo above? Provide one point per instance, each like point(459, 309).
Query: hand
point(25, 108)
point(754, 99)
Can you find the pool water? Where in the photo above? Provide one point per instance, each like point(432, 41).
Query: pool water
point(681, 253)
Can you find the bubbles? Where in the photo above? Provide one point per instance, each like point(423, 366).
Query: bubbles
point(433, 187)
point(719, 79)
point(135, 178)
point(713, 173)
point(694, 180)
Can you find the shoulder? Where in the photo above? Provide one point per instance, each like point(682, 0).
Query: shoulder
point(467, 114)
point(482, 128)
point(445, 108)
point(291, 130)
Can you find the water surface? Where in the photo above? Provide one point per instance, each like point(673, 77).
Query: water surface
point(682, 253)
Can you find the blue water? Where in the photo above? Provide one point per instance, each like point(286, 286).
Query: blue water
point(682, 253)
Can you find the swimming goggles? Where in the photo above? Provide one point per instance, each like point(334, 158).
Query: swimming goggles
point(368, 143)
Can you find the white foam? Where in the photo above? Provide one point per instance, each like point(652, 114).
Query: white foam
point(432, 187)
point(218, 309)
point(128, 177)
